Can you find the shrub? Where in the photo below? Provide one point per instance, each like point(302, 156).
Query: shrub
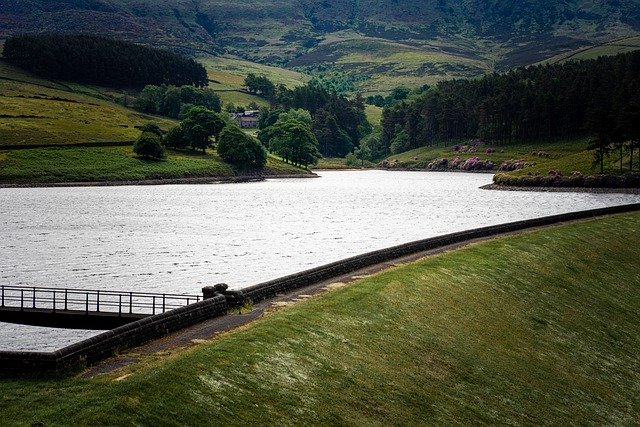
point(148, 146)
point(474, 163)
point(152, 128)
point(351, 160)
point(439, 164)
point(399, 143)
point(512, 165)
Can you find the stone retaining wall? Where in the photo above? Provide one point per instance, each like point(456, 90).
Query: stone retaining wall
point(104, 345)
point(288, 283)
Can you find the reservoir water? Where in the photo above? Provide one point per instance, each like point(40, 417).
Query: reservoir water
point(178, 238)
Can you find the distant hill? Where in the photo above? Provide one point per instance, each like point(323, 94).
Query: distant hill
point(384, 42)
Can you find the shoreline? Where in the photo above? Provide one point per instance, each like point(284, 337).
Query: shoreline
point(597, 190)
point(161, 181)
point(312, 174)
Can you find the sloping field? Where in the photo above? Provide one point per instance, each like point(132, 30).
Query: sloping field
point(612, 48)
point(387, 64)
point(537, 329)
point(37, 111)
point(227, 74)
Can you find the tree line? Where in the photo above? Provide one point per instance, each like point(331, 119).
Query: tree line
point(173, 101)
point(536, 103)
point(337, 123)
point(102, 61)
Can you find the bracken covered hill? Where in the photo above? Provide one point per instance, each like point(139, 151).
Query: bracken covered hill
point(395, 39)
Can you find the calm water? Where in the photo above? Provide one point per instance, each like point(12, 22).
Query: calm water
point(176, 239)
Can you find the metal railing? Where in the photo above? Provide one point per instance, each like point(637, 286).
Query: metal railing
point(92, 301)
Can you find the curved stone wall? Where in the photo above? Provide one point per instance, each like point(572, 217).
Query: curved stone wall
point(104, 345)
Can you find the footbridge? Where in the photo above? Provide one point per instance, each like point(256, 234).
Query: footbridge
point(83, 309)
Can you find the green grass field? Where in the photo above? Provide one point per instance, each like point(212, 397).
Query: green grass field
point(38, 111)
point(537, 329)
point(227, 76)
point(77, 164)
point(374, 114)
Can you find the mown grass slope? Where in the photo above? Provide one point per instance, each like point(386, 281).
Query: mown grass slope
point(536, 329)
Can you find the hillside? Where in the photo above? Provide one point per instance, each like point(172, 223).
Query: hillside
point(383, 43)
point(40, 111)
point(37, 111)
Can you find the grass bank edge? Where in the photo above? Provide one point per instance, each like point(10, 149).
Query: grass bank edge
point(99, 164)
point(458, 337)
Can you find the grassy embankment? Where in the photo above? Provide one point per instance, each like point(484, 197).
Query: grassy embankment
point(562, 156)
point(565, 156)
point(541, 328)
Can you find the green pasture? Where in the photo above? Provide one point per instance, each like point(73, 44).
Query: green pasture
point(79, 164)
point(227, 74)
point(232, 72)
point(37, 111)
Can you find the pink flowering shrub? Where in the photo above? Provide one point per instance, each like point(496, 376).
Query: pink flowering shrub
point(474, 164)
point(512, 165)
point(439, 164)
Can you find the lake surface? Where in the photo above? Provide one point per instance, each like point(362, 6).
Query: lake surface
point(178, 238)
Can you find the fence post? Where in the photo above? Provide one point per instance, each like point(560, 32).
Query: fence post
point(154, 304)
point(163, 303)
point(119, 305)
point(34, 297)
point(65, 299)
point(86, 303)
point(98, 301)
point(3, 295)
point(21, 299)
point(130, 302)
point(54, 301)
